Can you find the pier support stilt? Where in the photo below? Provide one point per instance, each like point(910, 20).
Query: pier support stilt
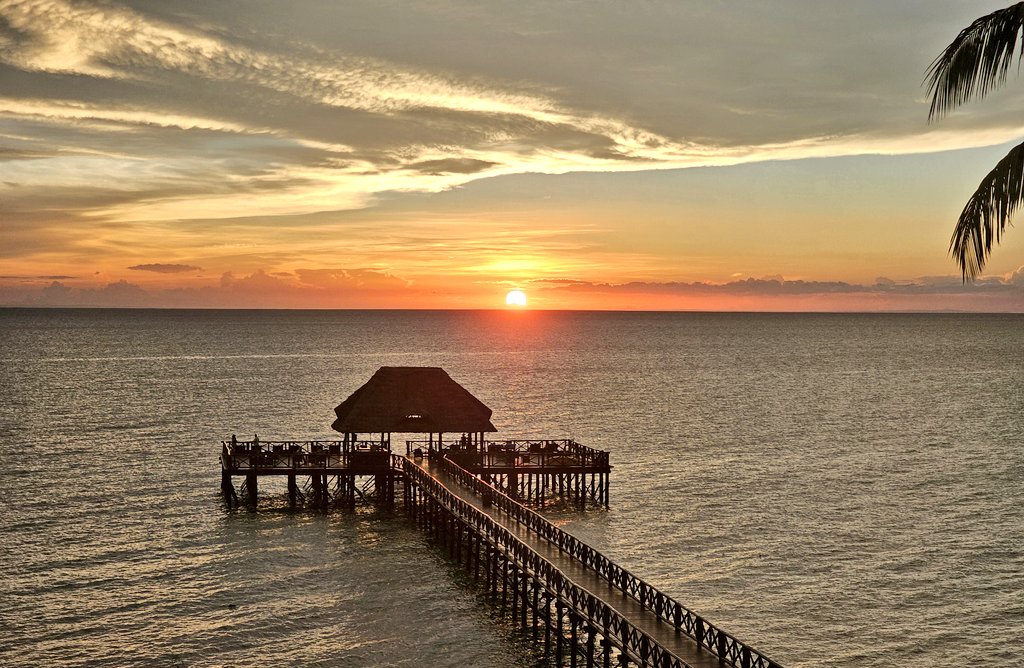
point(228, 489)
point(559, 612)
point(574, 625)
point(252, 488)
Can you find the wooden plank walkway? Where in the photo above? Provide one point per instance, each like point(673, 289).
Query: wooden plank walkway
point(679, 644)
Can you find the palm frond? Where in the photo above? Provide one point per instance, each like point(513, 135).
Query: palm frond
point(987, 213)
point(977, 60)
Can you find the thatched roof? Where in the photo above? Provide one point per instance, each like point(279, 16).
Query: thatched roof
point(412, 399)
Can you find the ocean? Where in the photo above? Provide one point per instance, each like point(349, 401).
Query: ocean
point(835, 490)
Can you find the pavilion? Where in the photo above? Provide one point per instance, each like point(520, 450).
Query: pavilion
point(413, 400)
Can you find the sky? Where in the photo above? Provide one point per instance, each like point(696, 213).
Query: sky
point(679, 155)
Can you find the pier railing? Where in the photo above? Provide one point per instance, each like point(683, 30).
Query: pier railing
point(719, 642)
point(244, 456)
point(521, 453)
point(641, 647)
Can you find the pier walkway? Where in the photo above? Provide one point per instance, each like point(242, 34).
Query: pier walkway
point(648, 627)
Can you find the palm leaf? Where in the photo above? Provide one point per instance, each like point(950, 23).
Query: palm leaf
point(987, 213)
point(977, 61)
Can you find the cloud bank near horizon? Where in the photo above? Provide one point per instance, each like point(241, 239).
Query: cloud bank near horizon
point(366, 288)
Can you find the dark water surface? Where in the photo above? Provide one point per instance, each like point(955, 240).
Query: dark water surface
point(836, 490)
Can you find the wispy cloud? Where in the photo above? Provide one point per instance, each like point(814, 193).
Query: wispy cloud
point(337, 129)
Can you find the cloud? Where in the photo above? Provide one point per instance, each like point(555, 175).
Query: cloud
point(315, 288)
point(120, 294)
point(337, 120)
point(451, 166)
point(1015, 277)
point(165, 268)
point(777, 286)
point(371, 288)
point(130, 128)
point(362, 279)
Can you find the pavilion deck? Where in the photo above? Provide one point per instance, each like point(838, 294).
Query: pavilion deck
point(242, 458)
point(531, 470)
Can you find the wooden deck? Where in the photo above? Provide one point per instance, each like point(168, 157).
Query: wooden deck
point(531, 470)
point(472, 501)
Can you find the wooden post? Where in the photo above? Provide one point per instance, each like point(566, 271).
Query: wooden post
point(504, 584)
point(574, 624)
point(314, 482)
point(536, 611)
point(494, 573)
point(474, 543)
point(458, 542)
point(558, 635)
point(515, 594)
point(547, 624)
point(252, 486)
point(292, 490)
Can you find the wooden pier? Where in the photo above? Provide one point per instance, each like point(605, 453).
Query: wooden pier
point(583, 607)
point(476, 499)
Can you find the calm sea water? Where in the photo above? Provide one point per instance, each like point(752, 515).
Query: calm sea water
point(836, 490)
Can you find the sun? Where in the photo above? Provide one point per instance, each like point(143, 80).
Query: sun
point(515, 298)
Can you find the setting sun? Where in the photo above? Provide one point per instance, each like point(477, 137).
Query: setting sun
point(515, 298)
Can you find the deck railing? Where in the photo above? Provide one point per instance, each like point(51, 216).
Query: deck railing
point(641, 647)
point(521, 452)
point(717, 641)
point(254, 455)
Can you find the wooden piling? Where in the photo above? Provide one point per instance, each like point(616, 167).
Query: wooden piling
point(252, 488)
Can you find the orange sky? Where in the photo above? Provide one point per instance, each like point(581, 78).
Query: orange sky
point(691, 156)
